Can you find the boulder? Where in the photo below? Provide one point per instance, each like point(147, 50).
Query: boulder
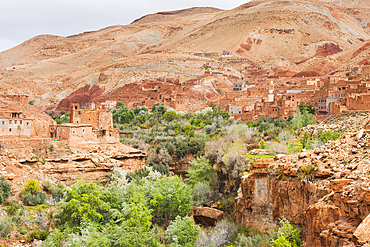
point(362, 232)
point(207, 216)
point(359, 134)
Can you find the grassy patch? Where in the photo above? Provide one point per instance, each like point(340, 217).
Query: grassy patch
point(38, 207)
point(261, 156)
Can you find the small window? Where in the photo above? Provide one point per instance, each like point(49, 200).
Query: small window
point(10, 130)
point(20, 122)
point(3, 122)
point(15, 121)
point(27, 123)
point(10, 121)
point(83, 130)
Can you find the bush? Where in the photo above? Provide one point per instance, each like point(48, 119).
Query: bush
point(182, 232)
point(304, 140)
point(286, 235)
point(278, 148)
point(37, 234)
point(196, 144)
point(182, 148)
point(163, 169)
point(5, 228)
point(13, 207)
point(38, 198)
point(304, 173)
point(285, 136)
point(82, 201)
point(202, 193)
point(328, 136)
point(5, 189)
point(261, 240)
point(200, 171)
point(32, 186)
point(219, 235)
point(171, 197)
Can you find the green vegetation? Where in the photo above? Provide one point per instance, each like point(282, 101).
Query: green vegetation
point(5, 189)
point(150, 207)
point(182, 232)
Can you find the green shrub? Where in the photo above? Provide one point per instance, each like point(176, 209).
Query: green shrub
point(182, 232)
point(258, 240)
point(182, 148)
point(5, 189)
point(55, 190)
point(32, 186)
point(170, 197)
point(196, 144)
point(286, 235)
point(22, 231)
point(305, 173)
point(328, 136)
point(163, 169)
point(304, 140)
point(82, 201)
point(37, 234)
point(200, 171)
point(38, 198)
point(12, 208)
point(170, 148)
point(5, 228)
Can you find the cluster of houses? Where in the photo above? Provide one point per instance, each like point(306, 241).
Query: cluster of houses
point(280, 98)
point(19, 119)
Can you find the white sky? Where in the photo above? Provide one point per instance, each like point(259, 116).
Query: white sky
point(21, 20)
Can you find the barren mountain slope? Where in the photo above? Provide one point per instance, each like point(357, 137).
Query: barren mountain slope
point(297, 35)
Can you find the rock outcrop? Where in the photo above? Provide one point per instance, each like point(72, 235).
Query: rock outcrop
point(207, 216)
point(325, 192)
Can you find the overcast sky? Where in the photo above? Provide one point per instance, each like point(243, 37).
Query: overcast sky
point(23, 19)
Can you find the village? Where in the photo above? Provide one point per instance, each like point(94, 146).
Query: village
point(246, 91)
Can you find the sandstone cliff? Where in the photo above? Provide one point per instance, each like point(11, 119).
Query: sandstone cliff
point(324, 191)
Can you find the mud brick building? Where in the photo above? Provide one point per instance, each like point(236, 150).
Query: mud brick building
point(14, 124)
point(86, 126)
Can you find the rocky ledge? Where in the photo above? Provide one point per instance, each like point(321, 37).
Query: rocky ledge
point(325, 192)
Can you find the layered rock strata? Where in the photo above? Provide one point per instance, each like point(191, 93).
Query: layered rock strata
point(325, 192)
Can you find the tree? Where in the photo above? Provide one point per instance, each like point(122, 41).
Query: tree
point(182, 148)
point(200, 171)
point(309, 108)
point(5, 189)
point(182, 232)
point(122, 114)
point(83, 201)
point(159, 108)
point(170, 197)
point(32, 186)
point(169, 116)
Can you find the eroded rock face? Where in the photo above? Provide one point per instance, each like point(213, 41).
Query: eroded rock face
point(88, 162)
point(325, 192)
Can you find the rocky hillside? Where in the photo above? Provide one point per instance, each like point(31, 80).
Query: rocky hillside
point(310, 37)
point(324, 191)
